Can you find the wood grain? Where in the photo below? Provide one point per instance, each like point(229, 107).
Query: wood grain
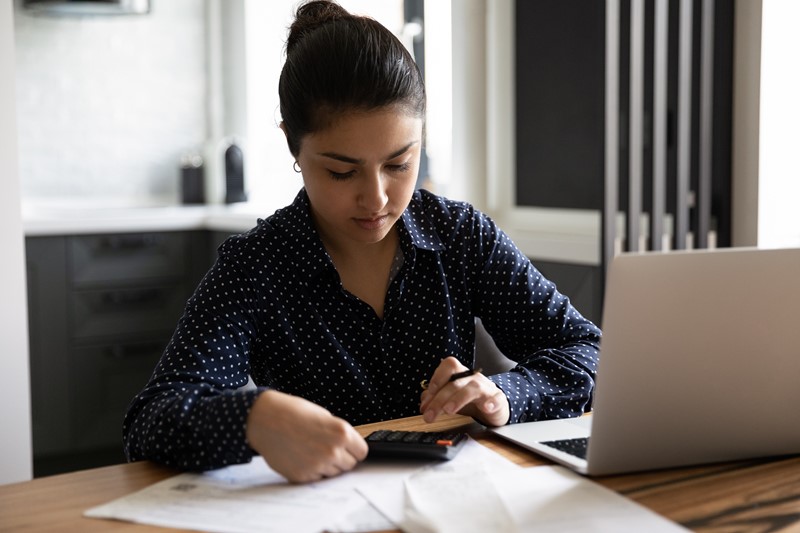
point(757, 496)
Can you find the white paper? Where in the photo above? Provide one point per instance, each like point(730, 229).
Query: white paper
point(536, 499)
point(253, 497)
point(453, 501)
point(241, 498)
point(553, 498)
point(479, 490)
point(388, 495)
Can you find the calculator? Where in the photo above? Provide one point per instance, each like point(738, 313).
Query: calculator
point(441, 445)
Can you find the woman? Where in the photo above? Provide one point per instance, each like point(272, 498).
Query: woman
point(340, 304)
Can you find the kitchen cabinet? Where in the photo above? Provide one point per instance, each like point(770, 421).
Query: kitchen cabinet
point(101, 310)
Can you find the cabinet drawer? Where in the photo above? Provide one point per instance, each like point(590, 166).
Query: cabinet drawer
point(131, 310)
point(104, 380)
point(126, 257)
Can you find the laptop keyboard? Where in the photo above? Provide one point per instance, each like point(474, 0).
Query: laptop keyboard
point(576, 447)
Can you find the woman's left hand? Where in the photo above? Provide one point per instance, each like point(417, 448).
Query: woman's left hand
point(474, 396)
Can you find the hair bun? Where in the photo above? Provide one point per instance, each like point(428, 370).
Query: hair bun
point(311, 16)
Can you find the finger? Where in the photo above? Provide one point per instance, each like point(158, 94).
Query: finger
point(492, 405)
point(357, 448)
point(469, 396)
point(468, 391)
point(330, 470)
point(440, 379)
point(442, 398)
point(346, 461)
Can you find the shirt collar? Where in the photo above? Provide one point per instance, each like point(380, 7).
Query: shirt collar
point(310, 257)
point(417, 228)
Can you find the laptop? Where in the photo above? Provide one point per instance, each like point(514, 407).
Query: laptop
point(699, 363)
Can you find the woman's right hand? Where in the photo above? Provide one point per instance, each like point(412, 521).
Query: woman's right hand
point(301, 440)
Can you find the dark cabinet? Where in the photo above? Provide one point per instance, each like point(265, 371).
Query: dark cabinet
point(101, 310)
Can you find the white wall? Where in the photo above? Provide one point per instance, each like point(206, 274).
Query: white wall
point(15, 425)
point(766, 175)
point(107, 105)
point(779, 142)
point(469, 114)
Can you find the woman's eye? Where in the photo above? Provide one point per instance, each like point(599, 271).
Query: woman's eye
point(399, 168)
point(341, 175)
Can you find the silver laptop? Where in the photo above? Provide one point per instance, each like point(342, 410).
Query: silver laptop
point(700, 363)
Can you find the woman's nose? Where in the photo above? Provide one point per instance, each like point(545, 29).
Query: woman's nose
point(372, 194)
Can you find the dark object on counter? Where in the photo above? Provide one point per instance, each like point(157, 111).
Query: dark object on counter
point(192, 180)
point(234, 175)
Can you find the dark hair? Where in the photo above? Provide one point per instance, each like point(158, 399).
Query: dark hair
point(336, 63)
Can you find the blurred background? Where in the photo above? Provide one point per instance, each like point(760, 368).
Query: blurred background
point(585, 128)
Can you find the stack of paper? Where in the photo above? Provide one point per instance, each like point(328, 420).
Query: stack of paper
point(477, 491)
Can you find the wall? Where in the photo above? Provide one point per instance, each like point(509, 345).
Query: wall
point(746, 96)
point(779, 142)
point(469, 119)
point(766, 177)
point(15, 437)
point(107, 105)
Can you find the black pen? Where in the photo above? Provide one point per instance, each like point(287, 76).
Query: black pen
point(457, 375)
point(465, 374)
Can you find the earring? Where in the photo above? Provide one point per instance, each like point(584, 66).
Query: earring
point(296, 167)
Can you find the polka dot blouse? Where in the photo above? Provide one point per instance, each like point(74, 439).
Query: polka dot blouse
point(273, 308)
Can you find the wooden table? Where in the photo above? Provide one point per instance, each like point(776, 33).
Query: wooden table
point(758, 495)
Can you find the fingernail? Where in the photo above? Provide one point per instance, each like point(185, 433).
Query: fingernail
point(429, 416)
point(449, 408)
point(490, 407)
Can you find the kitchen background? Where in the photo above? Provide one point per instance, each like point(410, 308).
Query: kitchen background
point(107, 107)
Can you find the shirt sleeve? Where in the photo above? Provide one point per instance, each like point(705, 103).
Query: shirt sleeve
point(190, 415)
point(555, 347)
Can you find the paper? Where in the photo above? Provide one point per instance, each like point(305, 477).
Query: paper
point(478, 490)
point(237, 499)
point(454, 501)
point(536, 499)
point(254, 498)
point(388, 495)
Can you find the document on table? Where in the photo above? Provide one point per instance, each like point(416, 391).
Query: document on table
point(238, 499)
point(477, 491)
point(536, 499)
point(252, 497)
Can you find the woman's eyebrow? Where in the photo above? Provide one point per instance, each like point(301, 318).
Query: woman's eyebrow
point(354, 161)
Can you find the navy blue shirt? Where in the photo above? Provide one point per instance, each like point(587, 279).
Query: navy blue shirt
point(273, 307)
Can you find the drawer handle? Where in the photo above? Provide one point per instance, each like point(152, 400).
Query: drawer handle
point(131, 297)
point(121, 351)
point(130, 242)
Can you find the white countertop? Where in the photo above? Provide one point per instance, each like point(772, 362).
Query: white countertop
point(65, 218)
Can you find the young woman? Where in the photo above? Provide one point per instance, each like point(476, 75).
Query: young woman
point(340, 304)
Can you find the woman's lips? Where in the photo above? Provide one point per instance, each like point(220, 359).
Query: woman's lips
point(372, 223)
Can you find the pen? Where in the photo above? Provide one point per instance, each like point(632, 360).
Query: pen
point(457, 375)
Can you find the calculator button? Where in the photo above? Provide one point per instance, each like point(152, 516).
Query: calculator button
point(413, 436)
point(378, 435)
point(430, 437)
point(394, 436)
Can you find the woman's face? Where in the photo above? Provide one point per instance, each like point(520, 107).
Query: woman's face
point(360, 173)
